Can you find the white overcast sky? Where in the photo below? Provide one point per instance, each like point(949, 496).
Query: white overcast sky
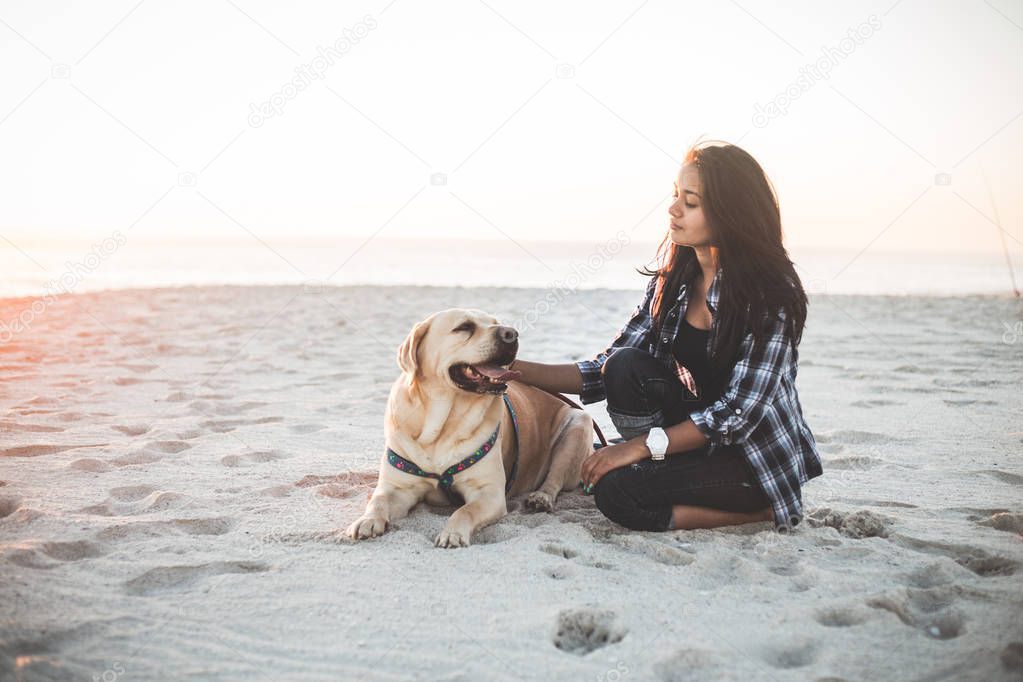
point(111, 110)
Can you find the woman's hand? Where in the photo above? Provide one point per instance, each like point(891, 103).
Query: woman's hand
point(612, 457)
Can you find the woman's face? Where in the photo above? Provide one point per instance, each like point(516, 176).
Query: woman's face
point(688, 226)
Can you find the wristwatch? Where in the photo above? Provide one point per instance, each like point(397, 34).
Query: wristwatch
point(657, 442)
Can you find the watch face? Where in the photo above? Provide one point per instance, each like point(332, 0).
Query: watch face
point(657, 441)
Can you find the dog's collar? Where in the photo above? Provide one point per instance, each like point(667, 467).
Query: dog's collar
point(447, 478)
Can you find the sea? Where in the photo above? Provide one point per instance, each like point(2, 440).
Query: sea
point(38, 267)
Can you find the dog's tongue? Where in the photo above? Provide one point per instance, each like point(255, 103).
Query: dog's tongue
point(497, 373)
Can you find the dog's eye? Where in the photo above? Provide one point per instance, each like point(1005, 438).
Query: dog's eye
point(465, 327)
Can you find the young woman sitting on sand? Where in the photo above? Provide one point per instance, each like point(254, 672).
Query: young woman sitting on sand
point(701, 380)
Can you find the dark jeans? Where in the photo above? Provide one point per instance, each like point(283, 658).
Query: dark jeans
point(643, 393)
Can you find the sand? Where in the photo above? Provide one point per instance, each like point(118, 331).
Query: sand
point(176, 465)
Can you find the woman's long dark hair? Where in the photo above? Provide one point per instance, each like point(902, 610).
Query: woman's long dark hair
point(758, 278)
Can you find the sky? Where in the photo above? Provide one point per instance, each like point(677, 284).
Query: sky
point(275, 125)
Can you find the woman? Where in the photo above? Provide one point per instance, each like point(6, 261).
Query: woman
point(701, 380)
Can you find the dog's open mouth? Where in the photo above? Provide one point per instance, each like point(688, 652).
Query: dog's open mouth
point(487, 377)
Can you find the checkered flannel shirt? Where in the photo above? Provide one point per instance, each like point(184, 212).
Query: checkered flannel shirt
point(758, 410)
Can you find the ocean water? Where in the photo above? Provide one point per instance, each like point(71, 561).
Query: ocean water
point(34, 269)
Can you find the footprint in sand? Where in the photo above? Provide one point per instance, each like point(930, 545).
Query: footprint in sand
point(138, 369)
point(959, 403)
point(154, 501)
point(1011, 522)
point(277, 491)
point(171, 578)
point(880, 503)
point(853, 463)
point(930, 610)
point(1012, 656)
point(893, 503)
point(978, 560)
point(229, 425)
point(858, 524)
point(8, 505)
point(135, 458)
point(977, 513)
point(132, 429)
point(558, 550)
point(40, 400)
point(359, 481)
point(580, 631)
point(353, 485)
point(306, 428)
point(494, 534)
point(654, 549)
point(841, 616)
point(205, 407)
point(72, 551)
point(129, 500)
point(786, 567)
point(171, 447)
point(1003, 476)
point(8, 426)
point(561, 572)
point(341, 491)
point(150, 529)
point(130, 493)
point(915, 369)
point(787, 655)
point(853, 437)
point(875, 403)
point(930, 575)
point(565, 552)
point(252, 458)
point(42, 449)
point(51, 554)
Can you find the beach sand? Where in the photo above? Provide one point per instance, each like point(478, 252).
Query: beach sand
point(176, 466)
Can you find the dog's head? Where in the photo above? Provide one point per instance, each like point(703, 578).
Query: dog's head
point(466, 349)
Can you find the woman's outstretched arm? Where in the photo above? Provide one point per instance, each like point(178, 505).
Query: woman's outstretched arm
point(564, 378)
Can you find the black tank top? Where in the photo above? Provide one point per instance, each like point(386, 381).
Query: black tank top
point(690, 350)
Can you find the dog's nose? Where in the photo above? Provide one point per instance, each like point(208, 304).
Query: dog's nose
point(507, 334)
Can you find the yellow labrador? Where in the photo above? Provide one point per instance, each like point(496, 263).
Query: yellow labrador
point(447, 414)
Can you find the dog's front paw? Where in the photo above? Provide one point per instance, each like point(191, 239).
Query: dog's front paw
point(366, 527)
point(452, 538)
point(539, 501)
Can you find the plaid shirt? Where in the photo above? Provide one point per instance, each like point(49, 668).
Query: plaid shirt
point(758, 410)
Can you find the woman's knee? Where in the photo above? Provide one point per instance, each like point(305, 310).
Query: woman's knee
point(622, 370)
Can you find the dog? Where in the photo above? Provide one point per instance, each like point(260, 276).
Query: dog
point(450, 401)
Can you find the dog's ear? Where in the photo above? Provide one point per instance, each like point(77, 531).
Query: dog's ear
point(408, 351)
